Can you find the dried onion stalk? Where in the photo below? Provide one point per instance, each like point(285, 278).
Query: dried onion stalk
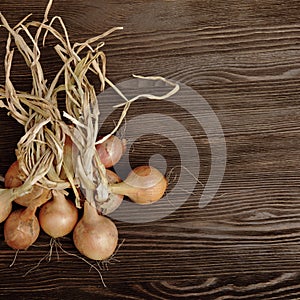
point(40, 150)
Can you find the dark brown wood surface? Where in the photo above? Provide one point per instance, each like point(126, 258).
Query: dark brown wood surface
point(243, 57)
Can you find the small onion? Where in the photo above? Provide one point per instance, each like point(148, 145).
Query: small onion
point(58, 216)
point(21, 228)
point(95, 236)
point(144, 185)
point(111, 151)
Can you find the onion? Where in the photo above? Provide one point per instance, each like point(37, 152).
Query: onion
point(111, 151)
point(21, 229)
point(144, 185)
point(114, 200)
point(95, 236)
point(13, 176)
point(59, 216)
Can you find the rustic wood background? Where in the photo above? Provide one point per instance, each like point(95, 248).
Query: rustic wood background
point(243, 57)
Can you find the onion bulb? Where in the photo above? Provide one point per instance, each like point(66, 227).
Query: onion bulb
point(58, 216)
point(21, 228)
point(111, 151)
point(144, 185)
point(95, 236)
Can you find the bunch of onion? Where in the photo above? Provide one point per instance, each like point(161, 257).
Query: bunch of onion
point(57, 217)
point(48, 142)
point(43, 144)
point(40, 150)
point(45, 133)
point(21, 227)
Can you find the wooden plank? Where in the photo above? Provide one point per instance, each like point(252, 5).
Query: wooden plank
point(244, 59)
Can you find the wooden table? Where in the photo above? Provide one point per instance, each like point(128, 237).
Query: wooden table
point(243, 58)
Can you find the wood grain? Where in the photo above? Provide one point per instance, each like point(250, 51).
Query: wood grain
point(244, 59)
